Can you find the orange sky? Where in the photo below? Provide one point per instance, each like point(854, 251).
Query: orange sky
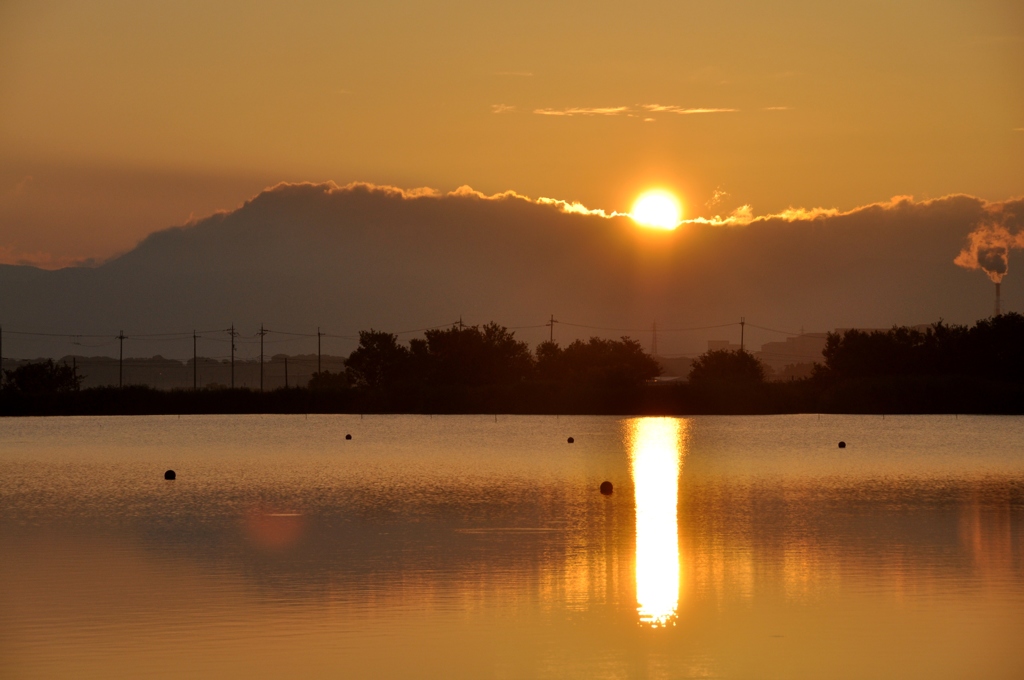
point(119, 118)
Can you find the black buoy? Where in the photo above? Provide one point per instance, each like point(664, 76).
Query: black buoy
point(348, 436)
point(606, 488)
point(169, 475)
point(571, 440)
point(842, 445)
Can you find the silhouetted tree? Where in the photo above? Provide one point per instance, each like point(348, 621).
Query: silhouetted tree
point(726, 368)
point(862, 353)
point(991, 348)
point(995, 347)
point(473, 356)
point(597, 362)
point(378, 363)
point(44, 377)
point(327, 381)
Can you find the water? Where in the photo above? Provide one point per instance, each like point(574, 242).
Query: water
point(475, 547)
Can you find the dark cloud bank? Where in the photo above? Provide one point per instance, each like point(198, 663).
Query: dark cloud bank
point(346, 258)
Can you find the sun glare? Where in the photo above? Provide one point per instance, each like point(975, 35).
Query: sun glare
point(657, 209)
point(656, 459)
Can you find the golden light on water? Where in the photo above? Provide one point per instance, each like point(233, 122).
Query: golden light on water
point(655, 461)
point(658, 209)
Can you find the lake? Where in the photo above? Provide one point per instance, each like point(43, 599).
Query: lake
point(480, 547)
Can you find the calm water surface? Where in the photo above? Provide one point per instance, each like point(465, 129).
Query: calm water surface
point(475, 547)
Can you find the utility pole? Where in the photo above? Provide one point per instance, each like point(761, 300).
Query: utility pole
point(654, 339)
point(74, 371)
point(551, 328)
point(286, 372)
point(460, 322)
point(743, 323)
point(262, 333)
point(195, 364)
point(318, 334)
point(233, 355)
point(120, 361)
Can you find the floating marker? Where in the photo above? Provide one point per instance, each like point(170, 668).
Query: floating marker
point(842, 445)
point(169, 475)
point(606, 488)
point(348, 436)
point(571, 440)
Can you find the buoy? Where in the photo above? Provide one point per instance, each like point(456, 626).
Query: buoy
point(842, 445)
point(571, 440)
point(348, 436)
point(169, 475)
point(606, 488)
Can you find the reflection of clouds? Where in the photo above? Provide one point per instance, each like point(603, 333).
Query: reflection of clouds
point(986, 532)
point(271, 529)
point(655, 459)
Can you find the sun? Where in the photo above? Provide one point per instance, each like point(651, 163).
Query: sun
point(657, 209)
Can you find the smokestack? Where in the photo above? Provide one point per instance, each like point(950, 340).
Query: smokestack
point(998, 310)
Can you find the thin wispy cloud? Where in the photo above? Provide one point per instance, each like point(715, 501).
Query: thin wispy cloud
point(642, 111)
point(501, 108)
point(683, 111)
point(580, 111)
point(1018, 129)
point(776, 108)
point(717, 197)
point(744, 215)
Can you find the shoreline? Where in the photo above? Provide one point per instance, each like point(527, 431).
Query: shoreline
point(909, 395)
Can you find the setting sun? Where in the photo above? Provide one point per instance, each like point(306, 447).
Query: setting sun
point(658, 209)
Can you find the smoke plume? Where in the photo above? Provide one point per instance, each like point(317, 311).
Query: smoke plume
point(988, 248)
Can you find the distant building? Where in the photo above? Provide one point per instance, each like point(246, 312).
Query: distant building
point(718, 345)
point(673, 368)
point(801, 349)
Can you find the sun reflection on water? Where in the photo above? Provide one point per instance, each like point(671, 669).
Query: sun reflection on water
point(655, 460)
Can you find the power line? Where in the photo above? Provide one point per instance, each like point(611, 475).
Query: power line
point(773, 330)
point(647, 330)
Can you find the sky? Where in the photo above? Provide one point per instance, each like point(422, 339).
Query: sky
point(118, 119)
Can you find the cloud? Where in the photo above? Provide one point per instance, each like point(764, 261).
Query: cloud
point(642, 111)
point(41, 259)
point(578, 111)
point(349, 257)
point(716, 197)
point(659, 108)
point(744, 215)
point(776, 108)
point(501, 108)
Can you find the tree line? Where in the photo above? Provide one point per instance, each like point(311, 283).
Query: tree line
point(485, 369)
point(456, 368)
